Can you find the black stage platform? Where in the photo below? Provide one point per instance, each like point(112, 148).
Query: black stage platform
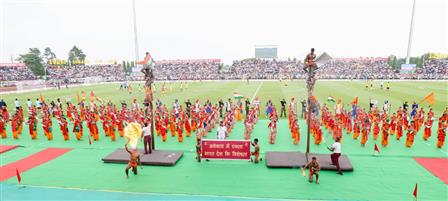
point(157, 157)
point(298, 159)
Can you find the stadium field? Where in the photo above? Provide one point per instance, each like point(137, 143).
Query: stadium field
point(275, 90)
point(80, 173)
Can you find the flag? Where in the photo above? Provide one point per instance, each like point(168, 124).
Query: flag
point(83, 95)
point(236, 95)
point(415, 191)
point(331, 99)
point(355, 101)
point(42, 99)
point(92, 96)
point(19, 178)
point(77, 97)
point(148, 60)
point(430, 98)
point(90, 141)
point(376, 148)
point(99, 99)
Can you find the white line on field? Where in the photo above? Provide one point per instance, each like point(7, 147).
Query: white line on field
point(256, 92)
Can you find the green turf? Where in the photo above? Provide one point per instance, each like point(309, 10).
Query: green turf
point(391, 176)
point(346, 90)
point(388, 177)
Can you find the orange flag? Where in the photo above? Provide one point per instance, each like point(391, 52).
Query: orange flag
point(99, 99)
point(92, 96)
point(19, 178)
point(430, 98)
point(77, 96)
point(355, 101)
point(42, 99)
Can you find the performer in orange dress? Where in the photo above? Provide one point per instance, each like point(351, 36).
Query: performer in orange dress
point(296, 132)
point(2, 126)
point(173, 124)
point(348, 124)
point(32, 125)
point(410, 136)
point(441, 133)
point(77, 126)
point(376, 127)
point(64, 128)
point(15, 126)
point(385, 133)
point(187, 126)
point(393, 124)
point(399, 127)
point(163, 128)
point(179, 127)
point(47, 126)
point(427, 130)
point(365, 132)
point(272, 131)
point(356, 129)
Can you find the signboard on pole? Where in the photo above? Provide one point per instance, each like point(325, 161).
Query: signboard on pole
point(408, 68)
point(225, 149)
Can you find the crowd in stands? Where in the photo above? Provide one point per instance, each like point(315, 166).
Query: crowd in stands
point(265, 69)
point(352, 68)
point(15, 72)
point(358, 68)
point(432, 69)
point(187, 69)
point(109, 72)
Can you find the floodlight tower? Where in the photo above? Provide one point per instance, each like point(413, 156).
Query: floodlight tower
point(408, 55)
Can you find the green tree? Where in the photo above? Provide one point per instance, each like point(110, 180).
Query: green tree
point(129, 67)
point(76, 55)
point(33, 60)
point(49, 55)
point(124, 66)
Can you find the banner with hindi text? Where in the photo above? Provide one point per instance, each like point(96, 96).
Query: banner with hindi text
point(225, 149)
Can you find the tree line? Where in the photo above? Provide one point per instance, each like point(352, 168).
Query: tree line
point(36, 61)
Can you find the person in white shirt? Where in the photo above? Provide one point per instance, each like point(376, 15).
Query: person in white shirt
point(146, 135)
point(38, 104)
point(222, 131)
point(336, 149)
point(228, 105)
point(29, 103)
point(17, 103)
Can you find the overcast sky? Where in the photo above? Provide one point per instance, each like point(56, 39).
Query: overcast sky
point(224, 29)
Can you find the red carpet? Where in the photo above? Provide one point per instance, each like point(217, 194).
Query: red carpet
point(8, 171)
point(5, 148)
point(437, 166)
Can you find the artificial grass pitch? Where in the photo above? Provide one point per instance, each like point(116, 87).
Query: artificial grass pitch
point(437, 166)
point(9, 170)
point(390, 176)
point(5, 148)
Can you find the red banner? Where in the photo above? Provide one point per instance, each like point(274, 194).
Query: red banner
point(225, 149)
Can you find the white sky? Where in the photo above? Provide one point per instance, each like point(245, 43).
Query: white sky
point(225, 29)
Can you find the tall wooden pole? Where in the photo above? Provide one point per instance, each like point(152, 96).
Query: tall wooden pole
point(309, 118)
point(151, 109)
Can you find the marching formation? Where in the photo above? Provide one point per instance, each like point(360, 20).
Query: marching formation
point(202, 118)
